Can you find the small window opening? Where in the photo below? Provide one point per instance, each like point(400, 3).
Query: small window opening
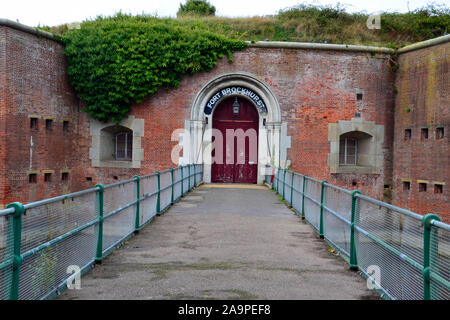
point(33, 123)
point(89, 179)
point(65, 176)
point(406, 185)
point(438, 188)
point(65, 126)
point(48, 124)
point(439, 133)
point(422, 187)
point(115, 177)
point(407, 134)
point(32, 178)
point(47, 177)
point(354, 183)
point(424, 133)
point(359, 96)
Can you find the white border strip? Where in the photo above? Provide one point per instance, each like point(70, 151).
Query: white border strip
point(25, 28)
point(318, 46)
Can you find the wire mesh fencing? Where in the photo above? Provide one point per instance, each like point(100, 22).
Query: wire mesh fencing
point(402, 255)
point(45, 244)
point(439, 263)
point(312, 199)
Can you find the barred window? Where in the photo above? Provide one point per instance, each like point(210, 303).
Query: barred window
point(348, 151)
point(123, 146)
point(116, 144)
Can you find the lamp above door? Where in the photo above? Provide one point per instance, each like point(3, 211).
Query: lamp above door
point(236, 106)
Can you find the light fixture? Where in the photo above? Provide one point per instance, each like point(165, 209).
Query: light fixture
point(236, 106)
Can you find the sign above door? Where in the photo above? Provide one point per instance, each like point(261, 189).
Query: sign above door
point(235, 91)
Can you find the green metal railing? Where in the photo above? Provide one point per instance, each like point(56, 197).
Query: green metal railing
point(410, 253)
point(39, 241)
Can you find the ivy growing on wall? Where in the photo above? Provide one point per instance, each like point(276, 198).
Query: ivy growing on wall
point(120, 60)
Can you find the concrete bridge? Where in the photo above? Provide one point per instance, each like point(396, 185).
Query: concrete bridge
point(224, 242)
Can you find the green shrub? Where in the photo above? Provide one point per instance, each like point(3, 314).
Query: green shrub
point(196, 7)
point(117, 61)
point(321, 23)
point(428, 22)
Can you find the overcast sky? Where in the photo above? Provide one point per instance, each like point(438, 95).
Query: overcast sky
point(51, 12)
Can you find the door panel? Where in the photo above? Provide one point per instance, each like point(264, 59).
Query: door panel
point(247, 119)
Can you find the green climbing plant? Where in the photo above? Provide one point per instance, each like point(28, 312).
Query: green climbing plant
point(116, 61)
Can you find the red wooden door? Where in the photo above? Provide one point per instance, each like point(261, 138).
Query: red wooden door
point(239, 160)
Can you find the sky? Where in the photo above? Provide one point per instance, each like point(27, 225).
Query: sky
point(51, 12)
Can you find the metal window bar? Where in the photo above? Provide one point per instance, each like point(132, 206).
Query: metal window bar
point(39, 241)
point(348, 151)
point(123, 146)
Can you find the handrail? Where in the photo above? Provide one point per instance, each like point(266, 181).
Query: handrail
point(338, 188)
point(7, 212)
point(22, 234)
point(391, 207)
point(59, 198)
point(440, 224)
point(429, 224)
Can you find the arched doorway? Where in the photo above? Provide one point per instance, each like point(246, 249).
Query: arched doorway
point(273, 140)
point(235, 153)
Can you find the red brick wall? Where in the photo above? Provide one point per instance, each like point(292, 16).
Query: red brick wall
point(3, 182)
point(34, 82)
point(423, 102)
point(322, 89)
point(313, 87)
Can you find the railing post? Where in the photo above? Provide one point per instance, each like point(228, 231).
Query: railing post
point(303, 196)
point(158, 199)
point(138, 209)
point(172, 186)
point(273, 181)
point(278, 179)
point(426, 220)
point(99, 252)
point(322, 196)
point(17, 240)
point(195, 178)
point(189, 177)
point(284, 182)
point(355, 209)
point(182, 182)
point(292, 186)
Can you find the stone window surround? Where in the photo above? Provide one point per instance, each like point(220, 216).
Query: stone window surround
point(132, 123)
point(375, 145)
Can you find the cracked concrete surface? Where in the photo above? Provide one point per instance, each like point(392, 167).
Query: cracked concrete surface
point(224, 243)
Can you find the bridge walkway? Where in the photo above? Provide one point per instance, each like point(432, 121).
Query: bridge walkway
point(224, 242)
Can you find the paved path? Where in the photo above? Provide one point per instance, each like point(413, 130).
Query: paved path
point(224, 243)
